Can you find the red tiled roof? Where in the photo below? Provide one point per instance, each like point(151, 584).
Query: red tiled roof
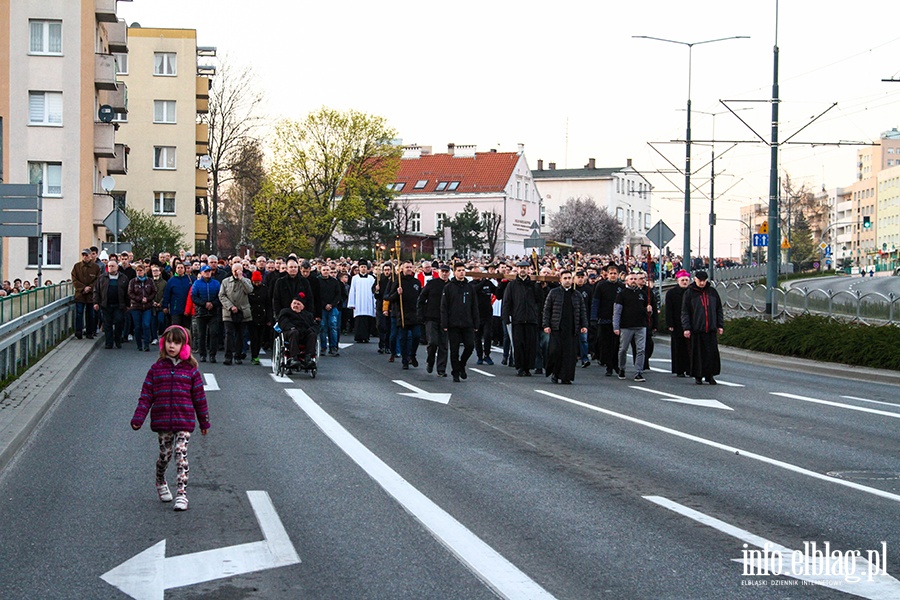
point(485, 172)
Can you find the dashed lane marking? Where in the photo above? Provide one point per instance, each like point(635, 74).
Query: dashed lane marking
point(872, 401)
point(872, 411)
point(209, 383)
point(485, 373)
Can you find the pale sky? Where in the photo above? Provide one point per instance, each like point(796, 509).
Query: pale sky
point(567, 79)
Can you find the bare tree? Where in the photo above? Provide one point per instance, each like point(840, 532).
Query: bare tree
point(492, 221)
point(403, 210)
point(234, 102)
point(247, 176)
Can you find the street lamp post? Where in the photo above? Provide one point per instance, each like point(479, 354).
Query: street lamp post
point(686, 253)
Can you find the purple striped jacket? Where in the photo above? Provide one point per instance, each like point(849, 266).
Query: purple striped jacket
point(172, 394)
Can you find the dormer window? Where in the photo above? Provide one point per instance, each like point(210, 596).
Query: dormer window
point(441, 186)
point(453, 185)
point(420, 184)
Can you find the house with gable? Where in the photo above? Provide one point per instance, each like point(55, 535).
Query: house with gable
point(431, 188)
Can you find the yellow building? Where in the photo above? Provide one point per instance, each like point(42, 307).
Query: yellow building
point(887, 225)
point(166, 94)
point(56, 70)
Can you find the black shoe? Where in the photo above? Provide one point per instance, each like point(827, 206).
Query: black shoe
point(429, 366)
point(566, 382)
point(639, 378)
point(538, 371)
point(698, 380)
point(146, 348)
point(414, 362)
point(682, 375)
point(238, 361)
point(227, 362)
point(118, 345)
point(621, 373)
point(107, 347)
point(462, 373)
point(442, 374)
point(455, 378)
point(711, 381)
point(528, 372)
point(212, 359)
point(503, 362)
point(520, 373)
point(202, 358)
point(391, 359)
point(90, 336)
point(406, 366)
point(609, 372)
point(586, 363)
point(553, 379)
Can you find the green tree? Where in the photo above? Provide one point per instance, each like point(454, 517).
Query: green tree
point(374, 226)
point(275, 227)
point(325, 165)
point(591, 229)
point(150, 234)
point(466, 229)
point(803, 248)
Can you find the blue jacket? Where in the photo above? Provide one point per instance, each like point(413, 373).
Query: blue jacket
point(203, 292)
point(176, 293)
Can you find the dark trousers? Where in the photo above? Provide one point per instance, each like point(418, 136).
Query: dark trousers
point(257, 335)
point(484, 338)
point(303, 342)
point(364, 328)
point(234, 339)
point(456, 336)
point(143, 326)
point(384, 331)
point(437, 345)
point(409, 341)
point(207, 336)
point(85, 319)
point(113, 320)
point(182, 320)
point(525, 345)
point(609, 347)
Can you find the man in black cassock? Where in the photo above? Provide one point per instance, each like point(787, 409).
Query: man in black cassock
point(703, 320)
point(565, 316)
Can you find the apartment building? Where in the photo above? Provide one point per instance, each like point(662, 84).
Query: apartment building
point(622, 191)
point(56, 71)
point(167, 90)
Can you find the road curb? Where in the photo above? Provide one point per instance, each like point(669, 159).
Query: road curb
point(803, 365)
point(25, 401)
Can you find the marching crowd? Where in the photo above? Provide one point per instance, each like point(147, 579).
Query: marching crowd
point(548, 314)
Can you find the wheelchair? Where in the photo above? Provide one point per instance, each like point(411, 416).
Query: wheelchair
point(282, 363)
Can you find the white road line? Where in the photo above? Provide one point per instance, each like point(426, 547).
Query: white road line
point(266, 362)
point(729, 384)
point(485, 373)
point(279, 379)
point(894, 404)
point(682, 400)
point(873, 411)
point(729, 449)
point(725, 383)
point(210, 384)
point(504, 578)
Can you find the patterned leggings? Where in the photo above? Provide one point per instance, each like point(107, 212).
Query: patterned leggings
point(177, 441)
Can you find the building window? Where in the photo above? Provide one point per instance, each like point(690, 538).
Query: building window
point(543, 216)
point(121, 63)
point(45, 108)
point(452, 186)
point(420, 184)
point(47, 174)
point(439, 219)
point(164, 111)
point(164, 203)
point(120, 118)
point(620, 215)
point(164, 157)
point(46, 37)
point(415, 222)
point(397, 187)
point(118, 200)
point(646, 220)
point(51, 249)
point(441, 186)
point(164, 64)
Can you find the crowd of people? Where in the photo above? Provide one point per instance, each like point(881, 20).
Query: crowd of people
point(548, 314)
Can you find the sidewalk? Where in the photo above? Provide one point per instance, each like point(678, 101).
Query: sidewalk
point(25, 401)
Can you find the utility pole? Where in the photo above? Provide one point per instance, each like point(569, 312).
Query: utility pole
point(774, 237)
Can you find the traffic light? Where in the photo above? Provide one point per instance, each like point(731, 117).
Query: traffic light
point(867, 223)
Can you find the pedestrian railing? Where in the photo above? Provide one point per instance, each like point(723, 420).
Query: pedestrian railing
point(31, 325)
point(873, 308)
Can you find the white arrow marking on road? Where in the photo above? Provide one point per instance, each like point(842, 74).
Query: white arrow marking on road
point(417, 393)
point(682, 400)
point(725, 383)
point(839, 573)
point(210, 384)
point(479, 371)
point(503, 577)
point(148, 575)
point(341, 345)
point(873, 411)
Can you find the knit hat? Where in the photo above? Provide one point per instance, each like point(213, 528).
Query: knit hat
point(256, 276)
point(682, 273)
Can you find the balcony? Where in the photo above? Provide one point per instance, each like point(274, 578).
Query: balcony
point(201, 227)
point(101, 207)
point(105, 72)
point(202, 138)
point(119, 164)
point(202, 95)
point(117, 99)
point(117, 36)
point(202, 179)
point(104, 140)
point(105, 11)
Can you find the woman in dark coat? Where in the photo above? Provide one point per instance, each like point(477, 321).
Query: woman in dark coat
point(680, 346)
point(703, 319)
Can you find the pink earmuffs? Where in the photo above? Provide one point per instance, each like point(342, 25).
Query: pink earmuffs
point(185, 349)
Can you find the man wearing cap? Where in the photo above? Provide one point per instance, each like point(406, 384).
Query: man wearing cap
point(428, 308)
point(522, 309)
point(680, 346)
point(205, 296)
point(84, 278)
point(703, 319)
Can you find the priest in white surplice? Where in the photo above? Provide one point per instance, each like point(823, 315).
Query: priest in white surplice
point(362, 301)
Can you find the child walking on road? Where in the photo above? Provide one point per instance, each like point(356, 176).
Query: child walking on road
point(172, 393)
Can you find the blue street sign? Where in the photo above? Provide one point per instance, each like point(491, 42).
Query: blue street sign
point(828, 250)
point(760, 239)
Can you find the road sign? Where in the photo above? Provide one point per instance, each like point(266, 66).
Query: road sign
point(764, 228)
point(815, 265)
point(534, 242)
point(116, 221)
point(660, 234)
point(761, 239)
point(828, 250)
point(823, 245)
point(534, 225)
point(20, 208)
point(785, 244)
point(122, 247)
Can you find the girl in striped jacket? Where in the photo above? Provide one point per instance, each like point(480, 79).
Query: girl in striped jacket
point(173, 394)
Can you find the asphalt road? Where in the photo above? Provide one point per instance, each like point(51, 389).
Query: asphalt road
point(517, 487)
point(883, 285)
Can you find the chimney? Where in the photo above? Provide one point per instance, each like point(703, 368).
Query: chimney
point(451, 148)
point(552, 166)
point(592, 164)
point(521, 148)
point(540, 164)
point(628, 163)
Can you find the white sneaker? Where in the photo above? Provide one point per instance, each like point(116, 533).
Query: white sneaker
point(164, 494)
point(181, 503)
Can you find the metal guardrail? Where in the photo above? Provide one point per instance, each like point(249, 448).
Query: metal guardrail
point(872, 308)
point(13, 307)
point(749, 272)
point(26, 335)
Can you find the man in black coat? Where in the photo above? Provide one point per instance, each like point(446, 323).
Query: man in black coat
point(586, 291)
point(331, 297)
point(605, 294)
point(565, 320)
point(485, 291)
point(703, 319)
point(406, 295)
point(459, 318)
point(288, 287)
point(522, 301)
point(299, 329)
point(428, 308)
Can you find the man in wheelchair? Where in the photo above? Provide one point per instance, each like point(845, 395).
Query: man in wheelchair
point(300, 332)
